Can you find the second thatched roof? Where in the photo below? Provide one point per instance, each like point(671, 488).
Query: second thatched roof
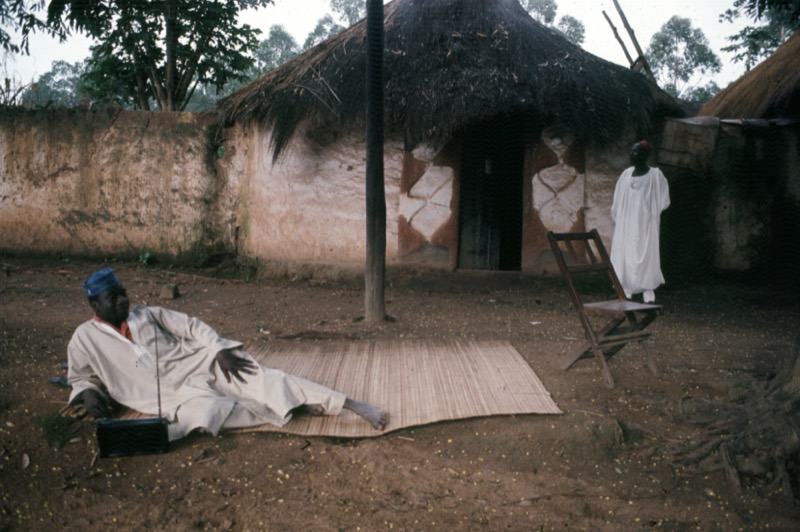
point(447, 64)
point(771, 90)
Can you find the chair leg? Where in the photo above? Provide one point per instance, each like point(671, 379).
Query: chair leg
point(576, 354)
point(586, 347)
point(601, 361)
point(651, 363)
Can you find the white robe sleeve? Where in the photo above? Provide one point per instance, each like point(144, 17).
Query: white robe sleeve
point(197, 334)
point(662, 191)
point(80, 373)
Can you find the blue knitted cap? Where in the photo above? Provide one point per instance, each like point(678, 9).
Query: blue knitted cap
point(100, 281)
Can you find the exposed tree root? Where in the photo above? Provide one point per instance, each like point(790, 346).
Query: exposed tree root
point(756, 443)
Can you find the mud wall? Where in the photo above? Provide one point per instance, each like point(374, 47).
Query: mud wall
point(108, 183)
point(125, 184)
point(308, 206)
point(755, 206)
point(735, 187)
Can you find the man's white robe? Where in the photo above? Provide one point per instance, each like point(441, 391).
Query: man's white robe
point(194, 391)
point(636, 211)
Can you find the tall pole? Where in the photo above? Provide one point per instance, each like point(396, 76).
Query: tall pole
point(632, 35)
point(375, 273)
point(619, 40)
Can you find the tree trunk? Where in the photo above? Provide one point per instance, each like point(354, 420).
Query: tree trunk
point(171, 37)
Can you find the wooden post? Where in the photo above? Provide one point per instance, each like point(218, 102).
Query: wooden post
point(619, 39)
point(638, 48)
point(375, 273)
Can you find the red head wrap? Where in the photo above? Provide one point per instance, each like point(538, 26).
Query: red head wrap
point(646, 145)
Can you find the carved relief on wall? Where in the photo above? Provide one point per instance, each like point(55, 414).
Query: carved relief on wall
point(559, 193)
point(425, 208)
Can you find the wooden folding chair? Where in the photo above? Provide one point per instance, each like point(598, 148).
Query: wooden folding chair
point(617, 321)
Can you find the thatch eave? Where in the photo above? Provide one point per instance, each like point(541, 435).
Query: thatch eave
point(771, 90)
point(448, 64)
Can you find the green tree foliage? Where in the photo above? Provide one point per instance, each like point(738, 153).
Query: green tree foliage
point(756, 8)
point(59, 87)
point(679, 56)
point(165, 48)
point(108, 81)
point(19, 15)
point(702, 94)
point(755, 43)
point(326, 27)
point(544, 11)
point(350, 11)
point(572, 28)
point(272, 52)
point(275, 50)
point(205, 98)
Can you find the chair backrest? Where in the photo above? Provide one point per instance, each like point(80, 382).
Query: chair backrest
point(583, 253)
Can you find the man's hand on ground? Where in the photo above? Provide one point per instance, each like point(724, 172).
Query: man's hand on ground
point(95, 403)
point(233, 363)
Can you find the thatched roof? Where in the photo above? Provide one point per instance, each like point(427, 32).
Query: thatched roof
point(770, 90)
point(449, 63)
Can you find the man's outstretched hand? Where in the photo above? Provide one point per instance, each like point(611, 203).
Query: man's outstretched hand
point(95, 403)
point(232, 363)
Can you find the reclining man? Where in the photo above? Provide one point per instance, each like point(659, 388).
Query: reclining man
point(202, 375)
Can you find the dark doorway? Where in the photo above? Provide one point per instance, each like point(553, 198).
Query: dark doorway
point(490, 197)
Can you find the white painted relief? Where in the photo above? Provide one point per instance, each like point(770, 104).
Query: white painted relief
point(558, 191)
point(426, 207)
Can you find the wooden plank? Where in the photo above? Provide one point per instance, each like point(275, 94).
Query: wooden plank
point(587, 268)
point(622, 306)
point(618, 339)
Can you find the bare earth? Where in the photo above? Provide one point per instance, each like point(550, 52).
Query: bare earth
point(600, 466)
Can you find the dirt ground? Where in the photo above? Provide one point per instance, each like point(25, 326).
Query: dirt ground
point(602, 465)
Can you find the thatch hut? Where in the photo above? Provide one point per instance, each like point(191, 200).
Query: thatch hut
point(497, 129)
point(770, 91)
point(741, 155)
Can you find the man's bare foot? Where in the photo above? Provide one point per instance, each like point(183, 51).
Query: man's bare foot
point(311, 410)
point(373, 414)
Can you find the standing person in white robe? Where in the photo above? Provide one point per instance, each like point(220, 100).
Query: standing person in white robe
point(202, 375)
point(641, 195)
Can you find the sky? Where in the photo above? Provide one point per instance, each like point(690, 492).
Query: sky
point(299, 17)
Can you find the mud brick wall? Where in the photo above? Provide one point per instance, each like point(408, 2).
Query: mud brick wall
point(107, 183)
